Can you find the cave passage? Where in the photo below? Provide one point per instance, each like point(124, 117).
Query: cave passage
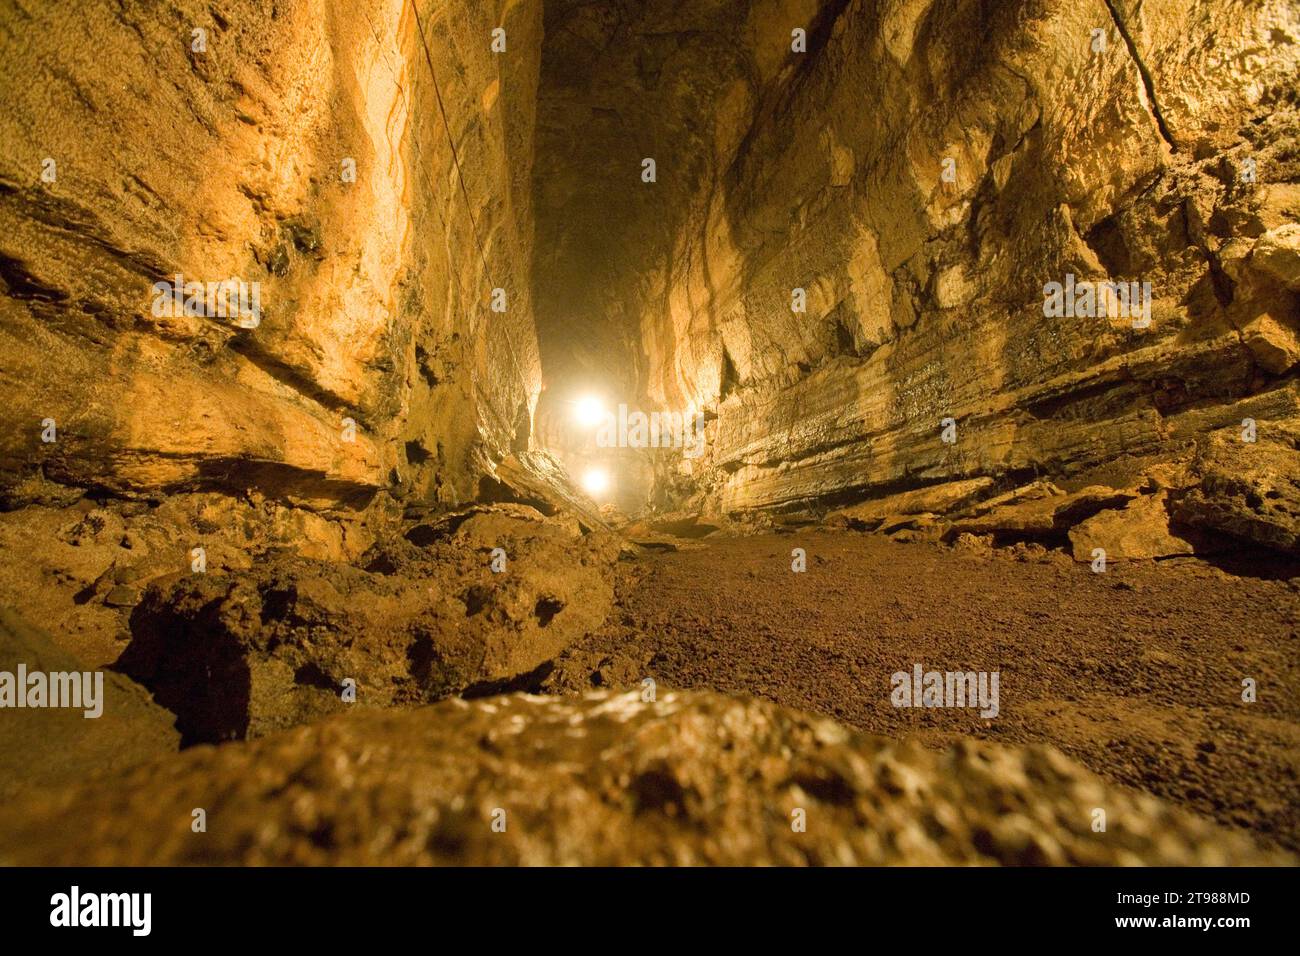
point(686, 432)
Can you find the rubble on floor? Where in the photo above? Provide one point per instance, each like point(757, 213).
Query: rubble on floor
point(1239, 487)
point(463, 603)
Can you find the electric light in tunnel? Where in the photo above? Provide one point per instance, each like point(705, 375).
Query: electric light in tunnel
point(595, 481)
point(589, 411)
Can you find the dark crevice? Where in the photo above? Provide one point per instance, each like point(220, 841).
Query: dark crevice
point(528, 683)
point(728, 378)
point(1147, 82)
point(546, 609)
point(416, 453)
point(310, 675)
point(22, 284)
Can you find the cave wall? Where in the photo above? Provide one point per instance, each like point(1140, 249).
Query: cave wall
point(229, 162)
point(777, 170)
point(925, 298)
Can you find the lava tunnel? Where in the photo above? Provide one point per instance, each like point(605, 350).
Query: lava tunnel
point(672, 432)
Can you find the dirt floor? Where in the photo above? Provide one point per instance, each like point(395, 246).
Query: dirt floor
point(1136, 672)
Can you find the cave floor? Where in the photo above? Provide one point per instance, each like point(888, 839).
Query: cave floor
point(1136, 672)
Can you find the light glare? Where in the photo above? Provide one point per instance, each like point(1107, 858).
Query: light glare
point(595, 481)
point(589, 411)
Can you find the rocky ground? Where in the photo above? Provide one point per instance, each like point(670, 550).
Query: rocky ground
point(1134, 675)
point(1136, 672)
point(692, 778)
point(262, 637)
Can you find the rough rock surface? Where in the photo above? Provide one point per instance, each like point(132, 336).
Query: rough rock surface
point(80, 569)
point(1251, 490)
point(693, 778)
point(914, 177)
point(948, 496)
point(245, 653)
point(1140, 530)
point(1137, 673)
point(1128, 162)
point(1005, 148)
point(1037, 511)
point(231, 162)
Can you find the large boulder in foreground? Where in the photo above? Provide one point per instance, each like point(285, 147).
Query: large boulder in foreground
point(695, 778)
point(239, 655)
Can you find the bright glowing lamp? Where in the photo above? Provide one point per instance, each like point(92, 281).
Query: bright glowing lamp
point(595, 481)
point(589, 411)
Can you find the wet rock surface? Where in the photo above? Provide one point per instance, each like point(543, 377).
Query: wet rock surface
point(692, 778)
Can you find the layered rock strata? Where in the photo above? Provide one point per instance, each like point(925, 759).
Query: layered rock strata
point(360, 169)
point(847, 248)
